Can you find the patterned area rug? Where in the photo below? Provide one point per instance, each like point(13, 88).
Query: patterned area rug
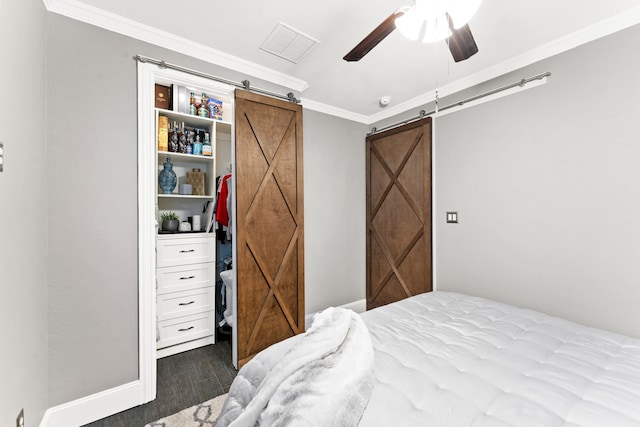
point(202, 415)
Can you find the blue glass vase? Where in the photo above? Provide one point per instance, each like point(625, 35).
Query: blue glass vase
point(167, 178)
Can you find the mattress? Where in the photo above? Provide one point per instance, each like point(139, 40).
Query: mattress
point(447, 359)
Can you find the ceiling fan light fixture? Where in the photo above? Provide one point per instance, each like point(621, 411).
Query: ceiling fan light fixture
point(431, 9)
point(409, 23)
point(436, 30)
point(427, 19)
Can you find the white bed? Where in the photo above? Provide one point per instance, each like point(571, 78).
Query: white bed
point(446, 359)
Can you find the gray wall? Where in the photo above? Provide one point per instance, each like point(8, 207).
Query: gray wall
point(23, 207)
point(335, 239)
point(547, 186)
point(92, 211)
point(93, 307)
point(540, 180)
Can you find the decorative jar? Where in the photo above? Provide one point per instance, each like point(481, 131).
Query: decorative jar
point(167, 178)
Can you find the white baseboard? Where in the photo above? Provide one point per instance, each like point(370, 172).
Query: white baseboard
point(94, 407)
point(359, 306)
point(103, 404)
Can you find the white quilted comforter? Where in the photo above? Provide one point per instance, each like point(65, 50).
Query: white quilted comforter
point(445, 360)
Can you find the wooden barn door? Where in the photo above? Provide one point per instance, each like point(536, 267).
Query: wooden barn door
point(399, 262)
point(269, 210)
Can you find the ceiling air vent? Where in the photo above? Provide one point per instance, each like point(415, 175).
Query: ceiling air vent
point(288, 43)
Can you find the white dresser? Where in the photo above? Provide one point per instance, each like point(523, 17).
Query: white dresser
point(185, 291)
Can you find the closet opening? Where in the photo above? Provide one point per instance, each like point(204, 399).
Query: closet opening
point(234, 276)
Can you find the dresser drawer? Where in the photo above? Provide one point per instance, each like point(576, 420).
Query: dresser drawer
point(177, 331)
point(183, 277)
point(178, 304)
point(172, 252)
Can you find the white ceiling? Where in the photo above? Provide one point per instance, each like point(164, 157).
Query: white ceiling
point(509, 34)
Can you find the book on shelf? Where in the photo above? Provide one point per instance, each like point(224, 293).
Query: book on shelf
point(163, 97)
point(163, 133)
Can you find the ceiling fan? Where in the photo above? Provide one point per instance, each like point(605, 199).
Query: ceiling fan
point(430, 20)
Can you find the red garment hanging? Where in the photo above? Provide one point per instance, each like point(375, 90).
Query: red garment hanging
point(222, 214)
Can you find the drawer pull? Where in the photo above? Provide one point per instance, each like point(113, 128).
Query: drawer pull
point(186, 303)
point(185, 329)
point(187, 278)
point(184, 251)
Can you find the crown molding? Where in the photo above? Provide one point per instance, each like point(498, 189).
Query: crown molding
point(82, 12)
point(573, 40)
point(91, 15)
point(334, 111)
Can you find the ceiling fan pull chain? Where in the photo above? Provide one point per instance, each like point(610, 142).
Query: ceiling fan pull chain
point(435, 68)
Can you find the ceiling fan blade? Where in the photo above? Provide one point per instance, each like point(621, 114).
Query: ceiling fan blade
point(372, 40)
point(461, 43)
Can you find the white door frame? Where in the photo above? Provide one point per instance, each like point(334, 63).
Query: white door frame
point(146, 233)
point(148, 75)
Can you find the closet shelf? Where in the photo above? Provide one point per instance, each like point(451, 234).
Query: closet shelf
point(191, 119)
point(186, 261)
point(185, 157)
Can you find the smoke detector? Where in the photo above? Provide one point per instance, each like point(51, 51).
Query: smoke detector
point(384, 101)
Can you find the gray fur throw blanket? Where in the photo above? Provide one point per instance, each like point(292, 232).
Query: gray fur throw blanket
point(324, 379)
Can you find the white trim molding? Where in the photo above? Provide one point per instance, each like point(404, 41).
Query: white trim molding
point(492, 97)
point(334, 111)
point(146, 233)
point(89, 14)
point(80, 11)
point(578, 38)
point(94, 407)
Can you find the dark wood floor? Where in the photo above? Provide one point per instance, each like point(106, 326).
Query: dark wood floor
point(184, 380)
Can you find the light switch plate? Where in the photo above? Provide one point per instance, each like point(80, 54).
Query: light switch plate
point(452, 217)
